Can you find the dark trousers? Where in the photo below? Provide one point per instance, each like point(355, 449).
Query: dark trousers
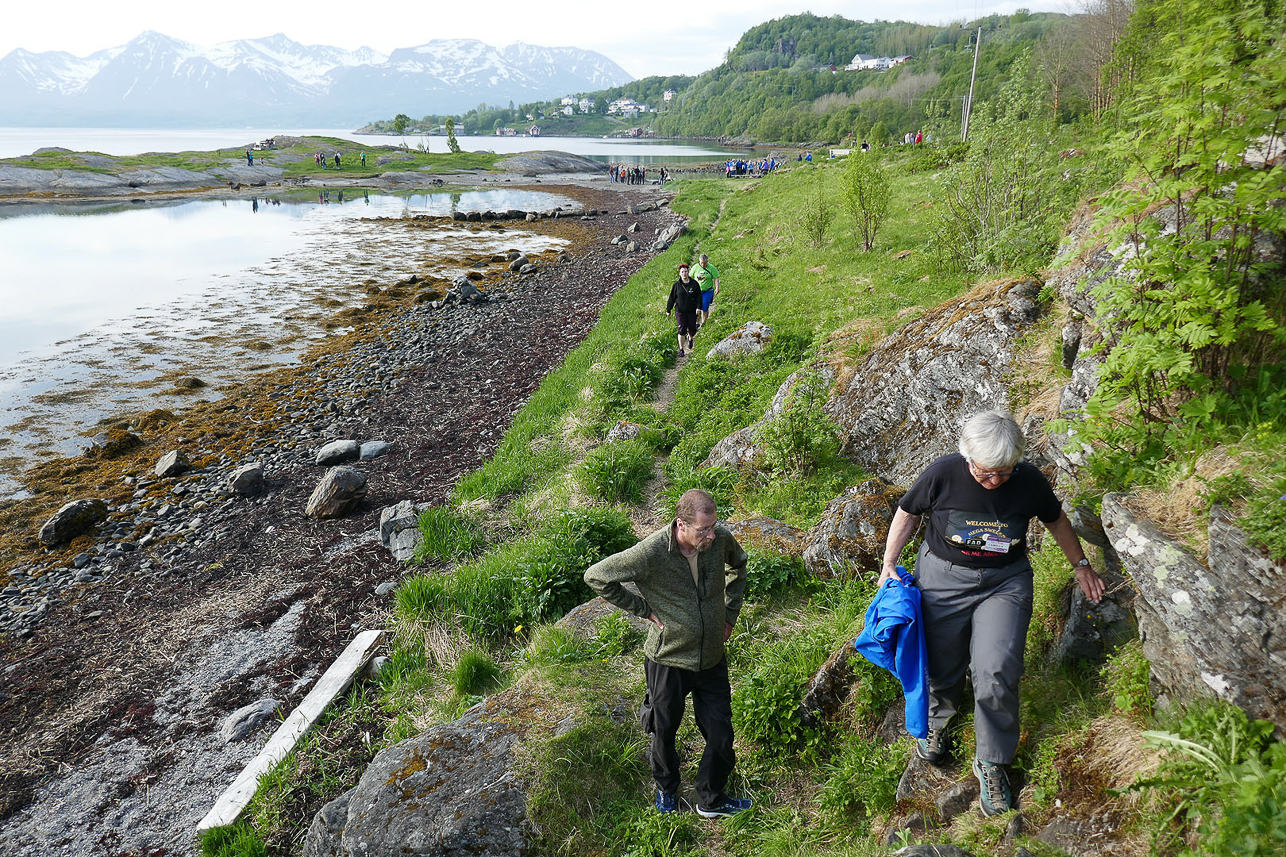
point(662, 713)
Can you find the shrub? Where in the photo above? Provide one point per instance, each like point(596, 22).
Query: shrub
point(866, 195)
point(233, 840)
point(815, 214)
point(769, 572)
point(474, 673)
point(1126, 680)
point(803, 437)
point(618, 471)
point(1228, 777)
point(862, 781)
point(448, 534)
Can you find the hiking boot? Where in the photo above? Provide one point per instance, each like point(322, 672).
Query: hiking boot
point(995, 796)
point(936, 748)
point(666, 802)
point(727, 806)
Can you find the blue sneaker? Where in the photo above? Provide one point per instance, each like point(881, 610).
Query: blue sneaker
point(666, 802)
point(994, 794)
point(728, 806)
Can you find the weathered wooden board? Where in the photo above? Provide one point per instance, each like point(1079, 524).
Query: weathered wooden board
point(332, 683)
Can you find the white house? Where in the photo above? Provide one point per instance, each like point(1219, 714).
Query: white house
point(620, 104)
point(569, 110)
point(668, 95)
point(568, 101)
point(585, 105)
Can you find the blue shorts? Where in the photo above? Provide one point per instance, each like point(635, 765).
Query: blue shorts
point(707, 298)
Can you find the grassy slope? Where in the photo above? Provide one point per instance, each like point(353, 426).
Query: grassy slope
point(829, 791)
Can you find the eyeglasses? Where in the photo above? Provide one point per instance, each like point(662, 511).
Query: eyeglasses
point(989, 474)
point(701, 531)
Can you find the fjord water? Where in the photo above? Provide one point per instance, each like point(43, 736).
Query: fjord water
point(104, 306)
point(15, 142)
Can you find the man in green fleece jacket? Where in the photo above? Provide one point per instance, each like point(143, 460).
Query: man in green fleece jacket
point(691, 575)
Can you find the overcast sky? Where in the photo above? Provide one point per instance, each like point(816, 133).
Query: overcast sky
point(644, 38)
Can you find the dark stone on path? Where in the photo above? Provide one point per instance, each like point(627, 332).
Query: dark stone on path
point(73, 519)
point(247, 719)
point(373, 449)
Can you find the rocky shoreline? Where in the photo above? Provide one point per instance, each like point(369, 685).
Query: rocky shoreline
point(126, 650)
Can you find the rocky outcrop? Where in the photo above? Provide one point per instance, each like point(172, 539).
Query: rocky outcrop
point(1213, 627)
point(549, 162)
point(849, 539)
point(921, 382)
point(451, 790)
point(769, 534)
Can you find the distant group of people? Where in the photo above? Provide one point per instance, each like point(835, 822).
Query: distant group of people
point(321, 159)
point(913, 138)
point(742, 167)
point(633, 175)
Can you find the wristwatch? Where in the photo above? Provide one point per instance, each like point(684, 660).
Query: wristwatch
point(1084, 563)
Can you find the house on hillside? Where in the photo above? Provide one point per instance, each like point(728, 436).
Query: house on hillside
point(569, 110)
point(900, 60)
point(620, 104)
point(585, 105)
point(568, 101)
point(668, 95)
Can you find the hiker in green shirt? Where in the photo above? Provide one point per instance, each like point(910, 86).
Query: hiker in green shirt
point(708, 276)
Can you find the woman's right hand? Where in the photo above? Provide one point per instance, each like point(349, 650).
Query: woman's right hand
point(889, 572)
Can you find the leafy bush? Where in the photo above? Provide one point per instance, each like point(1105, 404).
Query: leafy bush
point(618, 471)
point(815, 214)
point(1228, 777)
point(769, 572)
point(862, 781)
point(1001, 207)
point(866, 195)
point(448, 534)
point(765, 707)
point(803, 437)
point(1126, 681)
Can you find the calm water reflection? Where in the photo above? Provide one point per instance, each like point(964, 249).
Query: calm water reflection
point(103, 307)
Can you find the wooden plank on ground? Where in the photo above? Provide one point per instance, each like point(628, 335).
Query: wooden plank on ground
point(332, 683)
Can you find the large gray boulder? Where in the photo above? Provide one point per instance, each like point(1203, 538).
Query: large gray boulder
point(449, 791)
point(173, 463)
point(769, 534)
point(337, 452)
point(751, 338)
point(247, 480)
point(73, 519)
point(1209, 628)
point(400, 528)
point(909, 397)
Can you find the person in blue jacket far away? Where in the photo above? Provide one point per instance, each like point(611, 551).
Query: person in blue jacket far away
point(975, 585)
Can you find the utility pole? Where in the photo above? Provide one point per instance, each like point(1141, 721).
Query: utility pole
point(968, 105)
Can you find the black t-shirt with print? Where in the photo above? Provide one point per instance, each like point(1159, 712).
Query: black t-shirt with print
point(973, 526)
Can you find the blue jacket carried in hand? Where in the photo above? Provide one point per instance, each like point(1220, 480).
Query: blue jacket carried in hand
point(894, 639)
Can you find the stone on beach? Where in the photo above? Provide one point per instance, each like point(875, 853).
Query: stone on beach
point(337, 452)
point(173, 463)
point(247, 480)
point(73, 519)
point(340, 490)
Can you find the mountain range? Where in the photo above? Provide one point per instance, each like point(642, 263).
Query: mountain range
point(159, 81)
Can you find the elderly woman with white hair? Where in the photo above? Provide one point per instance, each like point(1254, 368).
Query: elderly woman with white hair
point(975, 586)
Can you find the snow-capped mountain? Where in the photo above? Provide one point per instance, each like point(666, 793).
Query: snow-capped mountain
point(156, 80)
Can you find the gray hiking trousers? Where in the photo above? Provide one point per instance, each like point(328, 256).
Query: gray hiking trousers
point(976, 619)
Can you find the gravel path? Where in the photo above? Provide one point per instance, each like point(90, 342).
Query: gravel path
point(114, 691)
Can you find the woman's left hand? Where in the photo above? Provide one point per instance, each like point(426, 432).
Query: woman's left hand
point(1091, 584)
